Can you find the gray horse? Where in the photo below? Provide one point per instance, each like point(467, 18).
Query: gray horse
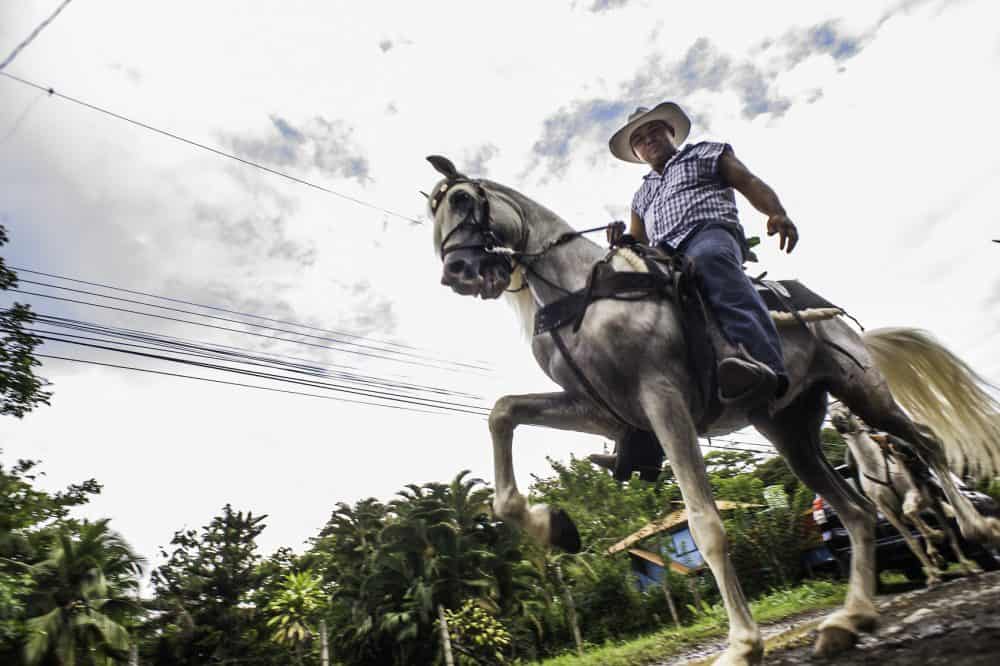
point(495, 241)
point(900, 496)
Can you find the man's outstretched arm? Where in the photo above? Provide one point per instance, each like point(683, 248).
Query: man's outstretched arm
point(761, 196)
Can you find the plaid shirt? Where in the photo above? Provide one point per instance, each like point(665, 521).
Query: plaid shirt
point(689, 194)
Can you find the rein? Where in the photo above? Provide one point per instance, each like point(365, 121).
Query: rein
point(491, 243)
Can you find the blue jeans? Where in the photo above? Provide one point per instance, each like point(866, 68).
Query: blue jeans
point(739, 309)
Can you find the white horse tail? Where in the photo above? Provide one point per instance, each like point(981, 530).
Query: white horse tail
point(941, 391)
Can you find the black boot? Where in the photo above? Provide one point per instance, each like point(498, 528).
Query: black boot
point(744, 382)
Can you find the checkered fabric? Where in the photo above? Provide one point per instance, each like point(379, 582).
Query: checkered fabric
point(689, 194)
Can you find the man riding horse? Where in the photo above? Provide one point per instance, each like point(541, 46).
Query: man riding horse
point(625, 365)
point(686, 205)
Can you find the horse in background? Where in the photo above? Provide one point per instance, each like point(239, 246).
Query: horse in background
point(901, 495)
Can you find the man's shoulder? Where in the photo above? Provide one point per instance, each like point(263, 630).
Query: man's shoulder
point(707, 148)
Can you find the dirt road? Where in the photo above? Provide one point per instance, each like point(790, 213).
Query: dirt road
point(954, 624)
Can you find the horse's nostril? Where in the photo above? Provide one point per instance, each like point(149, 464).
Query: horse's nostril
point(456, 266)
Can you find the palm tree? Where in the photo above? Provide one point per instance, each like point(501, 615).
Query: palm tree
point(298, 602)
point(82, 597)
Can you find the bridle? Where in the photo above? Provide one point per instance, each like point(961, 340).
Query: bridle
point(486, 238)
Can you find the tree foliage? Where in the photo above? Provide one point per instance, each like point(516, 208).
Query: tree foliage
point(204, 594)
point(377, 574)
point(82, 599)
point(21, 390)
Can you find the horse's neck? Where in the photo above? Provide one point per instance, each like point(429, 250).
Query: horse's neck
point(566, 265)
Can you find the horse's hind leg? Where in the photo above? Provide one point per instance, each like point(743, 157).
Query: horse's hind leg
point(929, 562)
point(967, 565)
point(870, 399)
point(673, 427)
point(795, 432)
point(913, 506)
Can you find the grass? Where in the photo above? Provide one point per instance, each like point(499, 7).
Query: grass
point(813, 595)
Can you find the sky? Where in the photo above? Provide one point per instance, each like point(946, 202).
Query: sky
point(875, 122)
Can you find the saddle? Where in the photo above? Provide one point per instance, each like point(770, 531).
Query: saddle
point(667, 276)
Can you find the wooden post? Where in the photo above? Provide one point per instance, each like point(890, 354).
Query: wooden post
point(449, 660)
point(695, 592)
point(666, 582)
point(133, 655)
point(324, 645)
point(570, 609)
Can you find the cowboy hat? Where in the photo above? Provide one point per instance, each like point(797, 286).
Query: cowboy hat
point(668, 112)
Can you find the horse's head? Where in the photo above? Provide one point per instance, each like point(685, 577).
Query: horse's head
point(474, 231)
point(844, 421)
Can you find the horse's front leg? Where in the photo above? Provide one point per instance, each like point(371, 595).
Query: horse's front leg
point(560, 410)
point(666, 410)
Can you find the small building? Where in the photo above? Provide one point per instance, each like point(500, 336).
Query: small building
point(674, 547)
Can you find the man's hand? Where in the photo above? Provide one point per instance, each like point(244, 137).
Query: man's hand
point(781, 225)
point(615, 231)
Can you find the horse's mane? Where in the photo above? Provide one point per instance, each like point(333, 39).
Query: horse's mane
point(519, 297)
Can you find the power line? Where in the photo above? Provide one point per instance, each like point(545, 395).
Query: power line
point(151, 341)
point(20, 117)
point(34, 33)
point(380, 395)
point(210, 149)
point(232, 330)
point(254, 325)
point(221, 381)
point(284, 322)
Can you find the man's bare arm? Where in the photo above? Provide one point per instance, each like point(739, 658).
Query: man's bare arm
point(638, 229)
point(761, 196)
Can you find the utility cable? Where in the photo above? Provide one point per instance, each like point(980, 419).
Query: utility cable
point(228, 383)
point(221, 153)
point(285, 322)
point(34, 33)
point(20, 117)
point(245, 323)
point(151, 343)
point(422, 402)
point(232, 330)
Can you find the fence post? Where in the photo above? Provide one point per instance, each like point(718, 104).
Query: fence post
point(449, 660)
point(324, 645)
point(666, 583)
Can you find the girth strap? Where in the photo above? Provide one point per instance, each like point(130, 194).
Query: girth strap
point(582, 378)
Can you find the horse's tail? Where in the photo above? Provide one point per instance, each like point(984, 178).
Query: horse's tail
point(941, 391)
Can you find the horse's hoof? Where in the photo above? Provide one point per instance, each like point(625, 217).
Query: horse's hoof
point(834, 640)
point(562, 531)
point(971, 569)
point(743, 655)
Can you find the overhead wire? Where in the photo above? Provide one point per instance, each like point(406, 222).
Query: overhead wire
point(229, 383)
point(297, 365)
point(14, 126)
point(32, 35)
point(216, 151)
point(382, 395)
point(236, 330)
point(285, 322)
point(255, 325)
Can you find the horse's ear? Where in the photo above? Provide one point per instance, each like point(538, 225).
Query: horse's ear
point(444, 166)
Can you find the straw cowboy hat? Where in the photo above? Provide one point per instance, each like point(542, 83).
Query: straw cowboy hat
point(668, 112)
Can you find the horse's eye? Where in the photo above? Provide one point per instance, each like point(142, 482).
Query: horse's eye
point(460, 199)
